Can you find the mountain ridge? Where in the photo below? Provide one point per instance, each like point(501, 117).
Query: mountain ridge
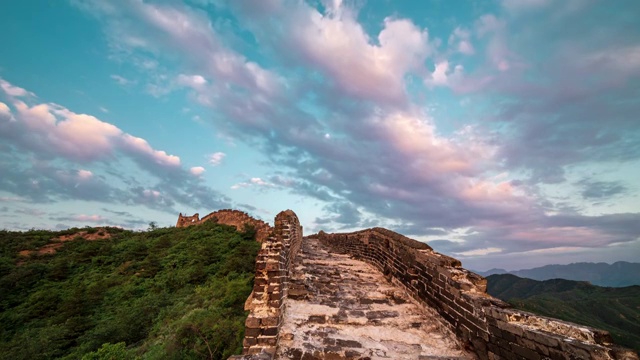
point(618, 274)
point(615, 309)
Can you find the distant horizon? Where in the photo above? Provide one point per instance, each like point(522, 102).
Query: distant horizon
point(580, 262)
point(498, 132)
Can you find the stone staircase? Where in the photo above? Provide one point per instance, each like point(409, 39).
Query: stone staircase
point(341, 308)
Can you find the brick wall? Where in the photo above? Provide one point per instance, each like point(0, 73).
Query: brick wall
point(485, 324)
point(273, 265)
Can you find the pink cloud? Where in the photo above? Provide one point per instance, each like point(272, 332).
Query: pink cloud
point(197, 170)
point(140, 146)
point(5, 112)
point(337, 43)
point(88, 218)
point(77, 136)
point(85, 174)
point(55, 129)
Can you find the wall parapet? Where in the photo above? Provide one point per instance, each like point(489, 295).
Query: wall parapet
point(486, 325)
point(273, 266)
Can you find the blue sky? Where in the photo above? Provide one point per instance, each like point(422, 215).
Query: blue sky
point(504, 133)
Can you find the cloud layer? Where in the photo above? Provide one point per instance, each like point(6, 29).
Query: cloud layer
point(498, 134)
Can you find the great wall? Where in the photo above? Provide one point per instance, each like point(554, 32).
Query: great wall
point(229, 217)
point(376, 294)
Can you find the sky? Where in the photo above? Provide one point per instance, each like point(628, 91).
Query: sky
point(504, 133)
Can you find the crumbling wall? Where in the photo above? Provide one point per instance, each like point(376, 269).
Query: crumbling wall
point(488, 326)
point(228, 217)
point(184, 220)
point(273, 266)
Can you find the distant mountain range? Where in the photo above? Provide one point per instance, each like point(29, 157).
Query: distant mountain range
point(618, 274)
point(616, 310)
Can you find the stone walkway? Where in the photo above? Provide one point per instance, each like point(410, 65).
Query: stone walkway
point(340, 308)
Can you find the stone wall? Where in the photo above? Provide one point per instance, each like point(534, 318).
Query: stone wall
point(228, 217)
point(273, 266)
point(487, 326)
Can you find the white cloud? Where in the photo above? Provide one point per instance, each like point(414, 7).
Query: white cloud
point(480, 252)
point(256, 181)
point(193, 81)
point(12, 90)
point(442, 75)
point(197, 170)
point(216, 158)
point(240, 186)
point(259, 182)
point(122, 80)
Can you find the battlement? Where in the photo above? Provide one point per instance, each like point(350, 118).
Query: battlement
point(231, 217)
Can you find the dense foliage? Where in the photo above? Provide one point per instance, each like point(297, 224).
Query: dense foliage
point(168, 293)
point(616, 310)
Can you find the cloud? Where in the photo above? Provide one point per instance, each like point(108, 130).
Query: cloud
point(122, 80)
point(460, 39)
point(255, 181)
point(140, 148)
point(88, 218)
point(387, 158)
point(366, 68)
point(601, 189)
point(5, 112)
point(479, 252)
point(197, 170)
point(53, 129)
point(14, 91)
point(40, 135)
point(216, 158)
point(443, 75)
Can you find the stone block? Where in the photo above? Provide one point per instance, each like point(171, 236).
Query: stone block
point(270, 321)
point(252, 322)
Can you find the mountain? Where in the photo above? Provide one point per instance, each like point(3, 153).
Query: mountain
point(493, 271)
point(166, 293)
point(616, 310)
point(618, 274)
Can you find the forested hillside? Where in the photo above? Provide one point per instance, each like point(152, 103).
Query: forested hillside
point(169, 293)
point(616, 310)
